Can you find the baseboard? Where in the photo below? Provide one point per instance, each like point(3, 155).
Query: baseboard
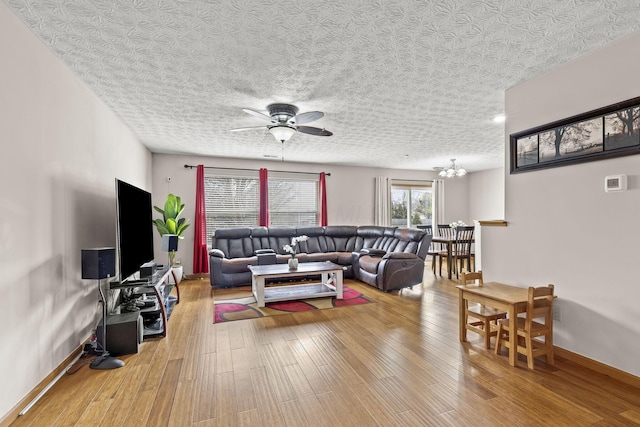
point(13, 415)
point(596, 366)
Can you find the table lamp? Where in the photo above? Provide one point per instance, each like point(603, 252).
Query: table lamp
point(100, 263)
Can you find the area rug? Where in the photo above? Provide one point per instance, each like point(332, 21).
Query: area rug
point(241, 307)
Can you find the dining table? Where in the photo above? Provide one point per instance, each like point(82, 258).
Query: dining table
point(448, 241)
point(512, 299)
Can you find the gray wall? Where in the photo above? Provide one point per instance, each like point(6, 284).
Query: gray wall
point(62, 149)
point(350, 191)
point(562, 227)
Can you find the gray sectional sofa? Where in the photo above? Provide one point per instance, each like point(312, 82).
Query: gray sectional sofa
point(387, 258)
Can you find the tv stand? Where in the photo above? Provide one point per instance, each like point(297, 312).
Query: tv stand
point(157, 287)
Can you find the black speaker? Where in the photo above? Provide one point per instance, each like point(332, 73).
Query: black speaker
point(169, 242)
point(148, 269)
point(124, 333)
point(98, 263)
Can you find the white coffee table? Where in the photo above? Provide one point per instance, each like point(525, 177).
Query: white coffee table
point(331, 282)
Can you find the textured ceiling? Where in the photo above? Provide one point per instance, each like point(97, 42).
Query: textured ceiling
point(403, 84)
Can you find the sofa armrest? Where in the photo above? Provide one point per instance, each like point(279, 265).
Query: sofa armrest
point(373, 252)
point(216, 253)
point(400, 255)
point(264, 251)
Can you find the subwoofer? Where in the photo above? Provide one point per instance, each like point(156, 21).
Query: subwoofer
point(124, 333)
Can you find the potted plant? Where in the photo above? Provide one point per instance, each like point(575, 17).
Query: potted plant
point(293, 250)
point(171, 223)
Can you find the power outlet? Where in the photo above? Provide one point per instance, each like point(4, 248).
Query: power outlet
point(557, 314)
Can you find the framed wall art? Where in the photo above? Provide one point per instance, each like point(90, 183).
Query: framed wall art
point(611, 131)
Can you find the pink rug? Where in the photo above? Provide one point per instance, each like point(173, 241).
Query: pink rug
point(246, 308)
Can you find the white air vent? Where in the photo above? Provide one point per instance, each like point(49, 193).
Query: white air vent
point(615, 183)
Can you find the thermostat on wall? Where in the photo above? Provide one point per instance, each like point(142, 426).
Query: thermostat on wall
point(615, 183)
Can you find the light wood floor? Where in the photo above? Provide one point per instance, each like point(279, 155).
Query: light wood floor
point(397, 361)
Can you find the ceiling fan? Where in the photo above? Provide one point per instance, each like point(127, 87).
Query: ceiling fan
point(284, 121)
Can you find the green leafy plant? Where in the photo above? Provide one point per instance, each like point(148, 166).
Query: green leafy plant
point(171, 223)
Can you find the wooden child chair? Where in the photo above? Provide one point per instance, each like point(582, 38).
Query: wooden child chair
point(484, 315)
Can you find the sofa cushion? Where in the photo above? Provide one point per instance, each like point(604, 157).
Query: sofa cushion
point(317, 241)
point(370, 263)
point(388, 241)
point(344, 258)
point(234, 242)
point(260, 238)
point(280, 236)
point(369, 236)
point(340, 238)
point(408, 240)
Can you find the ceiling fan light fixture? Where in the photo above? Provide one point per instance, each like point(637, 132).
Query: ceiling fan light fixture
point(282, 133)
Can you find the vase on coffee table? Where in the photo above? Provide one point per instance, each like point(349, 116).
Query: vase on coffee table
point(293, 263)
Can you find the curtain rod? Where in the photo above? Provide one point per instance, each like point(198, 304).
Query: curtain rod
point(411, 180)
point(253, 170)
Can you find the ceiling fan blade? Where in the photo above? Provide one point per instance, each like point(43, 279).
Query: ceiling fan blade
point(314, 131)
point(251, 128)
point(308, 117)
point(259, 115)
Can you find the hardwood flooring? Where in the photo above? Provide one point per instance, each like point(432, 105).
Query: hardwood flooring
point(396, 362)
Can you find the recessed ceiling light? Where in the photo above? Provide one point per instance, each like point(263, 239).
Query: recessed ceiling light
point(500, 118)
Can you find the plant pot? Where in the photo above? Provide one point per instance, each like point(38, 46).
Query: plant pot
point(293, 263)
point(178, 270)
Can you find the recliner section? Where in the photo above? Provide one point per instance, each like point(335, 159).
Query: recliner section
point(387, 258)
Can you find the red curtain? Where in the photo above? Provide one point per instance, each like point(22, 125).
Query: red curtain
point(200, 255)
point(263, 216)
point(323, 199)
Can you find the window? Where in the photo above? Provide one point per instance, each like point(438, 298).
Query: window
point(411, 205)
point(233, 200)
point(293, 201)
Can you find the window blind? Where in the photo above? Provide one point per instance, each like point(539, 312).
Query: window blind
point(293, 202)
point(233, 201)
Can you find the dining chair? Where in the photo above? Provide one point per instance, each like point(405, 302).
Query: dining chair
point(462, 248)
point(485, 318)
point(539, 307)
point(426, 228)
point(439, 250)
point(444, 230)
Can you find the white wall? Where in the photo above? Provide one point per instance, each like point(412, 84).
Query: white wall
point(350, 191)
point(456, 200)
point(62, 149)
point(486, 194)
point(562, 227)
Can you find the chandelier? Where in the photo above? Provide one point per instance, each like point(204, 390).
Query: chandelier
point(452, 171)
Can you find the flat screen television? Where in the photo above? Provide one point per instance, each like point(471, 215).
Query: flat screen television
point(134, 228)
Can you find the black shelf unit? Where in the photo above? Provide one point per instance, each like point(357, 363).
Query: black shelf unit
point(158, 289)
